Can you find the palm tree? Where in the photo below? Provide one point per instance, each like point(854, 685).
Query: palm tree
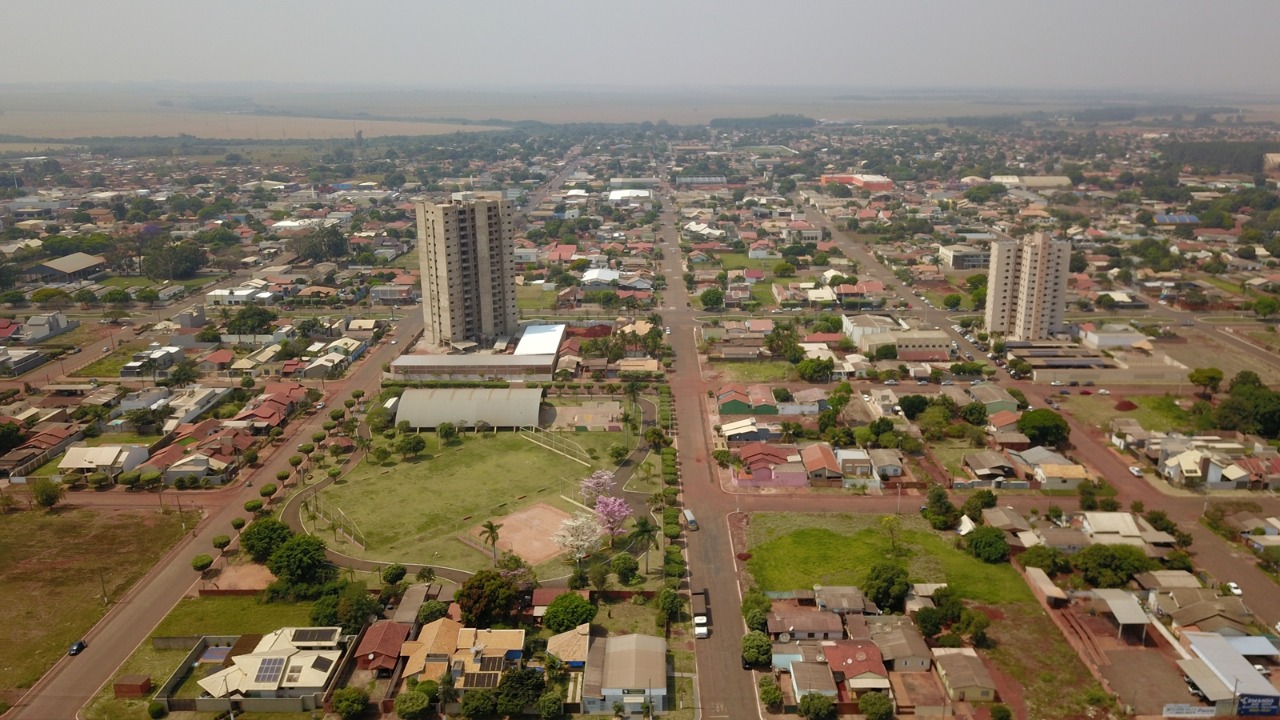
point(646, 533)
point(149, 366)
point(489, 532)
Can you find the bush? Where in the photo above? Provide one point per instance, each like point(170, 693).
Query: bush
point(200, 563)
point(756, 648)
point(253, 506)
point(350, 702)
point(393, 574)
point(222, 541)
point(568, 611)
point(770, 694)
point(1001, 712)
point(156, 710)
point(267, 490)
point(413, 705)
point(876, 706)
point(432, 610)
point(625, 567)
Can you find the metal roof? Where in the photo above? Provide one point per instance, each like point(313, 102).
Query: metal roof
point(540, 340)
point(499, 407)
point(1203, 678)
point(1124, 606)
point(1229, 665)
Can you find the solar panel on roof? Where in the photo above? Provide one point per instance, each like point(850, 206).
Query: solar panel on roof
point(312, 634)
point(269, 670)
point(491, 664)
point(481, 680)
point(322, 664)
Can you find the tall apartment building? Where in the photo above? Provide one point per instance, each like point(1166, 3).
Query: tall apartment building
point(1027, 286)
point(466, 251)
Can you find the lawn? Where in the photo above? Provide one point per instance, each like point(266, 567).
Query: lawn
point(79, 336)
point(121, 439)
point(195, 616)
point(141, 281)
point(1160, 413)
point(410, 510)
point(756, 372)
point(646, 481)
point(762, 292)
point(35, 567)
point(950, 455)
point(794, 551)
point(110, 365)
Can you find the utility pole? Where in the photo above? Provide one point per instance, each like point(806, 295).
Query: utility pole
point(102, 579)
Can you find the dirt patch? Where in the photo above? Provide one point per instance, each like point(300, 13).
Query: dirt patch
point(593, 415)
point(528, 532)
point(1145, 680)
point(243, 576)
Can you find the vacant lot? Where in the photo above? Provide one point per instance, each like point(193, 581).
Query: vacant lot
point(1160, 413)
point(1225, 355)
point(534, 297)
point(195, 616)
point(411, 510)
point(793, 551)
point(950, 455)
point(35, 567)
point(755, 372)
point(736, 261)
point(110, 365)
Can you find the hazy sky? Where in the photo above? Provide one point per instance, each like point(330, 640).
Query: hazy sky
point(1081, 44)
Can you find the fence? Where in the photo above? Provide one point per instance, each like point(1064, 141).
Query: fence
point(555, 443)
point(337, 520)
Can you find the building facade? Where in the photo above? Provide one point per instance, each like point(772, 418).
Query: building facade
point(1027, 287)
point(467, 257)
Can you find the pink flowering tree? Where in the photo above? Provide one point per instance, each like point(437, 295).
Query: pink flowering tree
point(596, 484)
point(613, 513)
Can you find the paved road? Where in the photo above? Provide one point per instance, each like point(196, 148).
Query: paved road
point(72, 682)
point(725, 690)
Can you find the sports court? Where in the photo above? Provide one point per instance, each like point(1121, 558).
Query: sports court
point(527, 532)
point(591, 415)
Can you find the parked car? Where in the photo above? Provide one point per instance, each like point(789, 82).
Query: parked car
point(77, 647)
point(1064, 391)
point(1086, 392)
point(1104, 391)
point(1135, 471)
point(1234, 589)
point(1057, 383)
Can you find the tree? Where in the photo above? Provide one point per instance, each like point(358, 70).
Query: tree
point(413, 705)
point(487, 599)
point(987, 544)
point(613, 513)
point(887, 585)
point(1044, 427)
point(200, 563)
point(975, 413)
point(1265, 307)
point(480, 704)
point(757, 649)
point(952, 301)
point(913, 405)
point(784, 270)
point(410, 445)
point(519, 689)
point(1109, 566)
point(594, 485)
point(263, 537)
point(489, 533)
point(393, 573)
point(770, 694)
point(977, 502)
point(431, 610)
point(300, 560)
point(568, 611)
point(644, 533)
point(1209, 378)
point(380, 454)
point(1049, 559)
point(350, 702)
point(815, 706)
point(876, 706)
point(656, 437)
point(579, 535)
point(625, 566)
point(447, 432)
point(1001, 712)
point(47, 493)
point(670, 605)
point(252, 320)
point(712, 298)
point(221, 542)
point(550, 706)
point(939, 510)
point(618, 453)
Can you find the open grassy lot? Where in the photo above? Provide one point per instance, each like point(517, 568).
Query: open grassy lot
point(734, 261)
point(121, 439)
point(110, 365)
point(195, 616)
point(533, 297)
point(1226, 356)
point(792, 550)
point(756, 372)
point(796, 551)
point(1160, 413)
point(762, 292)
point(411, 510)
point(81, 336)
point(36, 568)
point(950, 454)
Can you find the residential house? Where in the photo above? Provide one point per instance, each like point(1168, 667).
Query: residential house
point(47, 325)
point(994, 398)
point(109, 459)
point(886, 463)
point(812, 677)
point(798, 624)
point(843, 599)
point(1053, 476)
point(820, 462)
point(571, 646)
point(379, 649)
point(857, 665)
point(901, 644)
point(289, 662)
point(216, 361)
point(965, 677)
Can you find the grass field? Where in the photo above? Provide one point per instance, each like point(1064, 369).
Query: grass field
point(950, 455)
point(410, 510)
point(1226, 356)
point(78, 337)
point(195, 616)
point(533, 297)
point(762, 292)
point(142, 281)
point(121, 439)
point(756, 372)
point(794, 551)
point(734, 261)
point(110, 365)
point(1160, 413)
point(58, 594)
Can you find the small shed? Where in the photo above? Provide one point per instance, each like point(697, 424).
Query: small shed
point(132, 686)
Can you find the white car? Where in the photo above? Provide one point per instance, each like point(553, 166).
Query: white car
point(1135, 471)
point(393, 342)
point(1234, 589)
point(1104, 391)
point(1057, 383)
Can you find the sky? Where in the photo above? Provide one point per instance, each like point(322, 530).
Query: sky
point(501, 44)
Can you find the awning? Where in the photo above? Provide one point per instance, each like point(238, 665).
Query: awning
point(1214, 689)
point(1124, 606)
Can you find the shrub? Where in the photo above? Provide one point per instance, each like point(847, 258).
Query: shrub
point(253, 506)
point(625, 567)
point(267, 490)
point(156, 710)
point(237, 523)
point(222, 541)
point(200, 563)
